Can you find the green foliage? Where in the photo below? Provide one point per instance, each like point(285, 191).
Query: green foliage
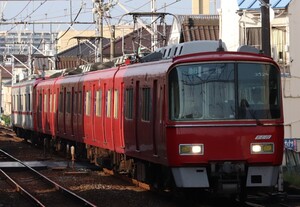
point(292, 178)
point(6, 119)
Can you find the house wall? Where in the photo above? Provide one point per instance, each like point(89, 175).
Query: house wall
point(6, 99)
point(229, 24)
point(291, 84)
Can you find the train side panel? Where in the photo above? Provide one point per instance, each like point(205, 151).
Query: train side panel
point(23, 107)
point(144, 111)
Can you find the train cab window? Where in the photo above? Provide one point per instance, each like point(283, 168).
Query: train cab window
point(108, 103)
point(258, 93)
point(129, 103)
point(146, 104)
point(202, 92)
point(98, 103)
point(88, 103)
point(116, 103)
point(224, 91)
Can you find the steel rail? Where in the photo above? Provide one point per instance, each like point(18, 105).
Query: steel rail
point(20, 189)
point(56, 185)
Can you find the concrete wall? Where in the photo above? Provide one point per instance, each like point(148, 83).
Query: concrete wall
point(291, 84)
point(229, 24)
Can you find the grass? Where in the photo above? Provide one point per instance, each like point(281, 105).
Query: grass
point(292, 178)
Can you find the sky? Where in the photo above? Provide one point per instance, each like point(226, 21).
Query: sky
point(61, 12)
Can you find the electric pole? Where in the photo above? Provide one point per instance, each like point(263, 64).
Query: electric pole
point(153, 26)
point(265, 27)
point(99, 29)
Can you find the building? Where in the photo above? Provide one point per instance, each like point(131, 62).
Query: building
point(244, 20)
point(187, 28)
point(25, 42)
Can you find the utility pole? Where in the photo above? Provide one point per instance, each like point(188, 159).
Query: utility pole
point(265, 27)
point(153, 26)
point(112, 41)
point(99, 7)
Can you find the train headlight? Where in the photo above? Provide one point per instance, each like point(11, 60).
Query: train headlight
point(262, 148)
point(191, 149)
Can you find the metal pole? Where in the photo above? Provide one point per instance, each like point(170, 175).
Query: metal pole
point(265, 27)
point(100, 59)
point(112, 42)
point(154, 26)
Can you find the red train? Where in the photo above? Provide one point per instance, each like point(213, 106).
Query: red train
point(210, 119)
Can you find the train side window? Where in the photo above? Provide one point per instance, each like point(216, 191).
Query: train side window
point(79, 102)
point(21, 109)
point(28, 102)
point(68, 102)
point(61, 102)
point(50, 110)
point(75, 110)
point(54, 103)
point(24, 102)
point(20, 104)
point(40, 102)
point(88, 103)
point(45, 103)
point(129, 103)
point(17, 102)
point(108, 103)
point(98, 102)
point(146, 104)
point(116, 102)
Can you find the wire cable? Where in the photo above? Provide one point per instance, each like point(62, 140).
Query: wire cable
point(70, 25)
point(19, 12)
point(28, 15)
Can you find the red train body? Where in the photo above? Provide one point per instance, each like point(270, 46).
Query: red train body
point(189, 121)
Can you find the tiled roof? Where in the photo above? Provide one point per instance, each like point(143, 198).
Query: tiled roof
point(255, 4)
point(199, 27)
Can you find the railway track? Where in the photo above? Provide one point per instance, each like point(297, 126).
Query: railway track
point(37, 188)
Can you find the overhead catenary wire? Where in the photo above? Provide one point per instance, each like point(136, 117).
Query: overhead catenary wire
point(28, 15)
point(70, 25)
point(19, 12)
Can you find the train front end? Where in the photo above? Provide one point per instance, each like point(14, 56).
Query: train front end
point(225, 121)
